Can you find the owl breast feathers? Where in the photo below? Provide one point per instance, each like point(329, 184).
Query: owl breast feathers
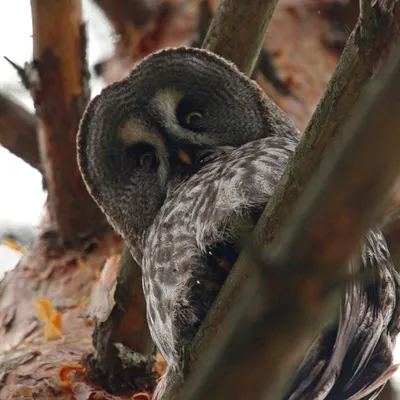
point(200, 213)
point(182, 156)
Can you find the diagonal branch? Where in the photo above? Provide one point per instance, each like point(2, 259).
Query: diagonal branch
point(18, 132)
point(295, 293)
point(60, 96)
point(359, 61)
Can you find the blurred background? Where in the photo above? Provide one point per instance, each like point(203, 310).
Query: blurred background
point(22, 197)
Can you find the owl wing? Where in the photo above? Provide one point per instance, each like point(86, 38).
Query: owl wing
point(353, 359)
point(198, 227)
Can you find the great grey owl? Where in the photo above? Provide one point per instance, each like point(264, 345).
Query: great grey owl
point(182, 156)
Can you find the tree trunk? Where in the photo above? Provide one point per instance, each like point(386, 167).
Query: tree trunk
point(60, 95)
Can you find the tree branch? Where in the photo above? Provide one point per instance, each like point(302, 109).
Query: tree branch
point(60, 97)
point(294, 293)
point(18, 132)
point(238, 30)
point(356, 66)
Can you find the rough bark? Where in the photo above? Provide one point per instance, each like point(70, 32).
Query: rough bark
point(30, 364)
point(18, 132)
point(60, 96)
point(297, 291)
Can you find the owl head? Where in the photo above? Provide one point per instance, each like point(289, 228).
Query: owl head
point(142, 132)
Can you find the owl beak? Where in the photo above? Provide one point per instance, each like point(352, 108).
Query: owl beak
point(184, 157)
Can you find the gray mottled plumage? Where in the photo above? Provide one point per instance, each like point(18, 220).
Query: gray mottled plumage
point(182, 157)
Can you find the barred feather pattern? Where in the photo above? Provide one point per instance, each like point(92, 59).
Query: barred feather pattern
point(350, 360)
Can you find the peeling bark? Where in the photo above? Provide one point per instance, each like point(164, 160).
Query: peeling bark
point(60, 97)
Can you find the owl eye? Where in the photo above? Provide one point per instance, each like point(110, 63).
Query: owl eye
point(143, 155)
point(193, 117)
point(145, 159)
point(190, 115)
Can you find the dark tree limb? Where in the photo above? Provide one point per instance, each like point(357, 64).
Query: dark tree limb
point(60, 96)
point(283, 308)
point(18, 132)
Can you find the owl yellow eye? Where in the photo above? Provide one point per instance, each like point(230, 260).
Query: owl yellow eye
point(193, 117)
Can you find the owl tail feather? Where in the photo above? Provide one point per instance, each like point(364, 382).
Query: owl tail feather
point(171, 377)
